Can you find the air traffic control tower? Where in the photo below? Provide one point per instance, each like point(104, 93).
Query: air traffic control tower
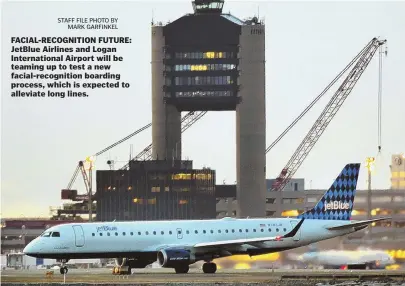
point(211, 61)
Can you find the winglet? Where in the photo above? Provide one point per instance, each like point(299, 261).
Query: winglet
point(294, 230)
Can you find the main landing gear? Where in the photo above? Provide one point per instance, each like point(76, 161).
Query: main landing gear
point(209, 267)
point(182, 269)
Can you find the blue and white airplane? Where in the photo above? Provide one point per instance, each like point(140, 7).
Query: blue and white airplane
point(179, 243)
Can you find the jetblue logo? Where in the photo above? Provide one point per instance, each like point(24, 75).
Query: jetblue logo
point(106, 228)
point(335, 205)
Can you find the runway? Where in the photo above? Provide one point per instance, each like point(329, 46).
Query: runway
point(196, 276)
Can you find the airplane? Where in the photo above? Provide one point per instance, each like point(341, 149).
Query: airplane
point(346, 259)
point(180, 243)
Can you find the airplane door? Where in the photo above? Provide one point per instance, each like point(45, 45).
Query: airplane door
point(179, 233)
point(79, 235)
point(297, 236)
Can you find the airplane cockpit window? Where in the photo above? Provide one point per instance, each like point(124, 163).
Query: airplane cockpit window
point(55, 234)
point(46, 234)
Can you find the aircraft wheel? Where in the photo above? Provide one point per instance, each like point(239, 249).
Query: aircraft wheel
point(63, 270)
point(209, 267)
point(182, 269)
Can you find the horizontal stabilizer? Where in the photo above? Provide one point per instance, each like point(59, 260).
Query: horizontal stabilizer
point(357, 224)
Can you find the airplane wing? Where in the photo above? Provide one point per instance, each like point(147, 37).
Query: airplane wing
point(358, 224)
point(252, 241)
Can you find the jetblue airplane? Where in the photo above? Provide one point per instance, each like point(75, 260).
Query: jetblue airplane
point(179, 243)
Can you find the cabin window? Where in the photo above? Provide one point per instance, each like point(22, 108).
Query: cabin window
point(154, 232)
point(123, 233)
point(116, 234)
point(284, 229)
point(170, 232)
point(146, 232)
point(139, 233)
point(162, 232)
point(132, 233)
point(93, 234)
point(204, 231)
point(262, 230)
point(55, 234)
point(233, 230)
point(101, 234)
point(277, 229)
point(187, 232)
point(196, 231)
point(247, 230)
point(212, 231)
point(254, 230)
point(108, 234)
point(219, 231)
point(240, 230)
point(269, 229)
point(226, 230)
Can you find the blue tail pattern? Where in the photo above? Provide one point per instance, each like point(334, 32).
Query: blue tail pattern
point(337, 202)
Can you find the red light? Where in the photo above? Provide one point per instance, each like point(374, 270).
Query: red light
point(278, 238)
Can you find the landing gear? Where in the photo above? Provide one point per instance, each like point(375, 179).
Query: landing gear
point(63, 268)
point(182, 269)
point(209, 267)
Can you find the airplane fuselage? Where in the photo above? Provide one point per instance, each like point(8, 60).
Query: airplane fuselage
point(130, 239)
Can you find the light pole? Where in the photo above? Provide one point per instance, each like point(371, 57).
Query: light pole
point(370, 161)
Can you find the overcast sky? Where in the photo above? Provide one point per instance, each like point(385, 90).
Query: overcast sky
point(307, 44)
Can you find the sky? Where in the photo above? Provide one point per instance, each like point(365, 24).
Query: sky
point(307, 45)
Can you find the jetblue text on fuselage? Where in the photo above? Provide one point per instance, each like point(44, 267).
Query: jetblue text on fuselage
point(106, 228)
point(337, 205)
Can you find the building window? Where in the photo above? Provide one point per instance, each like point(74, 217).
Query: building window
point(205, 67)
point(203, 80)
point(204, 55)
point(222, 93)
point(295, 186)
point(155, 189)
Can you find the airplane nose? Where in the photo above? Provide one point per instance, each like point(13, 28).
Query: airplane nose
point(31, 249)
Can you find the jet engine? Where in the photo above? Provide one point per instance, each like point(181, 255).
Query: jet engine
point(172, 258)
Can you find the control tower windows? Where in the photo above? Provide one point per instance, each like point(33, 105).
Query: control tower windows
point(204, 93)
point(204, 80)
point(205, 67)
point(205, 55)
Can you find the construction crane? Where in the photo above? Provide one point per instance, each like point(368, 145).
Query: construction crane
point(360, 63)
point(186, 122)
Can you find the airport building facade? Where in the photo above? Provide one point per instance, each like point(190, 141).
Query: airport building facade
point(156, 190)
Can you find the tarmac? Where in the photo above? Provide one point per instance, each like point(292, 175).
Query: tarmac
point(197, 277)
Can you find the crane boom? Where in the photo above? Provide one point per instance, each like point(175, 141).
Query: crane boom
point(186, 122)
point(327, 115)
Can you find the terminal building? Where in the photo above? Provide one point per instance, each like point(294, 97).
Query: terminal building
point(156, 190)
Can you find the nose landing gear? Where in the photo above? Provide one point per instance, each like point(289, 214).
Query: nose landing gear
point(63, 268)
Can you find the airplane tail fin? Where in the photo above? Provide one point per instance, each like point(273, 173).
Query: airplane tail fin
point(337, 202)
